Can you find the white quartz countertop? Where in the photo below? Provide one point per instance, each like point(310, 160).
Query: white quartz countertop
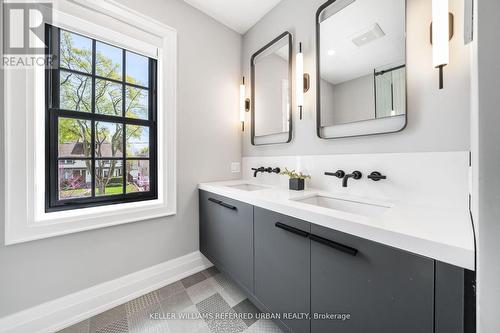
point(441, 233)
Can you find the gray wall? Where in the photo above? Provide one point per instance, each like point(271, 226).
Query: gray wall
point(438, 120)
point(208, 81)
point(488, 224)
point(327, 102)
point(269, 73)
point(348, 101)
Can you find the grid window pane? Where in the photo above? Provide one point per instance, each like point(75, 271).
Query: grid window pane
point(74, 137)
point(108, 98)
point(108, 139)
point(75, 92)
point(137, 176)
point(137, 141)
point(137, 71)
point(136, 103)
point(105, 122)
point(109, 61)
point(74, 179)
point(108, 177)
point(75, 52)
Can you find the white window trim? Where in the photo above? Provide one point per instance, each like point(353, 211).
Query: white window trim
point(24, 135)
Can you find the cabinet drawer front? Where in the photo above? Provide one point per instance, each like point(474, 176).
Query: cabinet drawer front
point(382, 289)
point(210, 229)
point(282, 260)
point(226, 234)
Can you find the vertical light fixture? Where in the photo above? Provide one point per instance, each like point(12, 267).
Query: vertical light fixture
point(299, 75)
point(441, 33)
point(242, 104)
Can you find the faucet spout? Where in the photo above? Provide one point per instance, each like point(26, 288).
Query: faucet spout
point(257, 170)
point(354, 175)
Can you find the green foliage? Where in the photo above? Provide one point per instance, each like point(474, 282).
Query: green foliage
point(135, 108)
point(144, 152)
point(71, 130)
point(115, 181)
point(79, 59)
point(108, 98)
point(294, 175)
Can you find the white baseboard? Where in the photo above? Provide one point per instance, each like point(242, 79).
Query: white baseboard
point(68, 310)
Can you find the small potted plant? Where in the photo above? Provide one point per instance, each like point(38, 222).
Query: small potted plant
point(297, 180)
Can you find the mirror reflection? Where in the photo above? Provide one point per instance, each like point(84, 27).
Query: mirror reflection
point(362, 61)
point(271, 93)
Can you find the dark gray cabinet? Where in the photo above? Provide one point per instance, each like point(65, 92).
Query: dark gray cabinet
point(211, 231)
point(454, 303)
point(226, 236)
point(382, 289)
point(282, 261)
point(289, 266)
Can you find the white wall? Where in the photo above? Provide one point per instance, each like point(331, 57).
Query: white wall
point(487, 157)
point(208, 79)
point(438, 120)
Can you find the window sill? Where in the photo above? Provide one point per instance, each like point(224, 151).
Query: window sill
point(60, 223)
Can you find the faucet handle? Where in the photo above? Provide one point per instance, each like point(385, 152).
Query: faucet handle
point(338, 174)
point(357, 175)
point(276, 170)
point(376, 176)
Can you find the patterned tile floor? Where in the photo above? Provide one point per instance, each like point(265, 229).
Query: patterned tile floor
point(206, 302)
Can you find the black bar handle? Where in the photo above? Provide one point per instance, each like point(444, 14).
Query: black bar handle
point(223, 204)
point(214, 200)
point(337, 246)
point(338, 174)
point(376, 176)
point(291, 229)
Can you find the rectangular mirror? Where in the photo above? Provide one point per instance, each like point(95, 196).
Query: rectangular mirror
point(271, 69)
point(361, 66)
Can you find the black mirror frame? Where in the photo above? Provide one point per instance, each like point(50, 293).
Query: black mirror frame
point(290, 94)
point(318, 81)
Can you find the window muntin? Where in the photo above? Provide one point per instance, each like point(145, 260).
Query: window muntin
point(101, 112)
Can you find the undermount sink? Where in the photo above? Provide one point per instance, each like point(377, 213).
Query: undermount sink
point(348, 206)
point(247, 187)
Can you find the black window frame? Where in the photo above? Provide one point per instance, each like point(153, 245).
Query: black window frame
point(53, 112)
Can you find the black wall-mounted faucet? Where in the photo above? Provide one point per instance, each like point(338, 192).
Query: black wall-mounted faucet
point(354, 175)
point(263, 169)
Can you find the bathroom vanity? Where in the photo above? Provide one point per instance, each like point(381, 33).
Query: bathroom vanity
point(349, 265)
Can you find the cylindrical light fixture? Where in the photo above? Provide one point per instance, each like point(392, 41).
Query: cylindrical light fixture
point(440, 36)
point(299, 75)
point(242, 104)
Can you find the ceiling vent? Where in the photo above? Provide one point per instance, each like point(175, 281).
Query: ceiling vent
point(367, 35)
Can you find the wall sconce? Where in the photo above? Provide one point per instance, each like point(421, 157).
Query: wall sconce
point(441, 34)
point(303, 79)
point(244, 104)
